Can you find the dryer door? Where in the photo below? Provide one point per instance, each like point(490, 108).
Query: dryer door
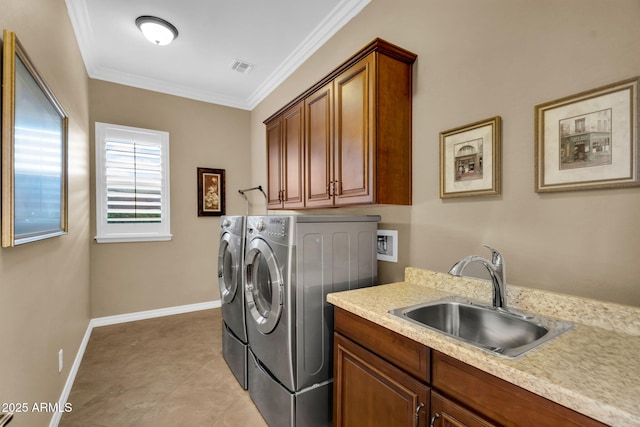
point(264, 286)
point(228, 265)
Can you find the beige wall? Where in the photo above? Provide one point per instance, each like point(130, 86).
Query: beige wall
point(44, 286)
point(478, 59)
point(131, 277)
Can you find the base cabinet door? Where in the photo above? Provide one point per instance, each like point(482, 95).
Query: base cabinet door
point(369, 391)
point(445, 413)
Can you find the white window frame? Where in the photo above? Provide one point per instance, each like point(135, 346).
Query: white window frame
point(131, 232)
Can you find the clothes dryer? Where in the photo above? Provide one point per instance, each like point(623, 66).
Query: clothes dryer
point(292, 263)
point(231, 281)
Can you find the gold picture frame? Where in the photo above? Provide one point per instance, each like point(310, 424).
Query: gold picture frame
point(588, 140)
point(470, 159)
point(211, 197)
point(34, 151)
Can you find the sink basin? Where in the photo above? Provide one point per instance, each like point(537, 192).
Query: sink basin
point(498, 331)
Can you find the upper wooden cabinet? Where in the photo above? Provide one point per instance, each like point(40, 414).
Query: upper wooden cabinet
point(318, 109)
point(357, 132)
point(285, 159)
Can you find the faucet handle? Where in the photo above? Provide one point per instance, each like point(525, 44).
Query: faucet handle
point(496, 257)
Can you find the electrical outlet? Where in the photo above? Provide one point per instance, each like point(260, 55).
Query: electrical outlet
point(60, 360)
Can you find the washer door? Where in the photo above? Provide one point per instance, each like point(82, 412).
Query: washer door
point(264, 286)
point(228, 265)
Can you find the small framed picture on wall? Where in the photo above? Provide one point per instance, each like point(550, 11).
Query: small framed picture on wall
point(210, 192)
point(470, 159)
point(589, 140)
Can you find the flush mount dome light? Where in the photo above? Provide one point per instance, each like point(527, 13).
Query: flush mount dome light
point(156, 30)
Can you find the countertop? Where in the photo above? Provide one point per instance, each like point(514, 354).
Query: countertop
point(594, 368)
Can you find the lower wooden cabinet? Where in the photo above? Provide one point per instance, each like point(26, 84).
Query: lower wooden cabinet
point(382, 378)
point(369, 391)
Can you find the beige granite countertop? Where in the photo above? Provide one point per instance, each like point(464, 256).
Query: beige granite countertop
point(594, 368)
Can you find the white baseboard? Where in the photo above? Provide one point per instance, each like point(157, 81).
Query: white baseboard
point(150, 314)
point(55, 419)
point(112, 320)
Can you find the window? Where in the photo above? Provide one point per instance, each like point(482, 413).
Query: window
point(132, 184)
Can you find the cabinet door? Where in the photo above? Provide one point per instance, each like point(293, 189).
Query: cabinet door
point(293, 156)
point(445, 413)
point(369, 391)
point(355, 133)
point(274, 163)
point(318, 145)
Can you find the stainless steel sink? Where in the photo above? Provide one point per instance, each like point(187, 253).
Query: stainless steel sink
point(496, 330)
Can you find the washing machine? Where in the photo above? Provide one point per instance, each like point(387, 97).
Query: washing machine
point(231, 281)
point(291, 264)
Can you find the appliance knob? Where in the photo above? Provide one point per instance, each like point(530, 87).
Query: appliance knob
point(260, 226)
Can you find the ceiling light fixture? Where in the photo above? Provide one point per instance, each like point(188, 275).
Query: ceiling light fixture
point(156, 30)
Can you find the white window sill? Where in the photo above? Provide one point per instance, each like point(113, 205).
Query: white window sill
point(131, 239)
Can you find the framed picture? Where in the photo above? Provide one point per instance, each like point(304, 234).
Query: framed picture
point(387, 245)
point(588, 140)
point(210, 192)
point(470, 160)
point(34, 152)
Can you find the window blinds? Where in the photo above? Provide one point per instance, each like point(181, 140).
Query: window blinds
point(133, 181)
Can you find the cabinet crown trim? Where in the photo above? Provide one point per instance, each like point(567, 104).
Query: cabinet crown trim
point(376, 45)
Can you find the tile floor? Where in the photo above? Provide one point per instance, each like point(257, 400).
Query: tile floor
point(159, 372)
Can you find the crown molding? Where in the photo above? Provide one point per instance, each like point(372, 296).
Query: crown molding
point(339, 16)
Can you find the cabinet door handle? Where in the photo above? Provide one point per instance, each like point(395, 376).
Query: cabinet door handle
point(433, 419)
point(418, 409)
point(331, 188)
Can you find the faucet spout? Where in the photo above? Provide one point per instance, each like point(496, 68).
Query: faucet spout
point(496, 271)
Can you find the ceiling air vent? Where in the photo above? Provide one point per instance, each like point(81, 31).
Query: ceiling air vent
point(242, 66)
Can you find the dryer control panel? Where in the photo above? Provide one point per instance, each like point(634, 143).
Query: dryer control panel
point(274, 228)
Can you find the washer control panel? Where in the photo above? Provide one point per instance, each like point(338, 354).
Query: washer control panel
point(232, 224)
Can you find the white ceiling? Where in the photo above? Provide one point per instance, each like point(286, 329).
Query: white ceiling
point(275, 36)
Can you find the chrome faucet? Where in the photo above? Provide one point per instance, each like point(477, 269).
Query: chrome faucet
point(496, 270)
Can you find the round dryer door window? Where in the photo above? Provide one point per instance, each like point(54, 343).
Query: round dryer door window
point(264, 286)
point(227, 269)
